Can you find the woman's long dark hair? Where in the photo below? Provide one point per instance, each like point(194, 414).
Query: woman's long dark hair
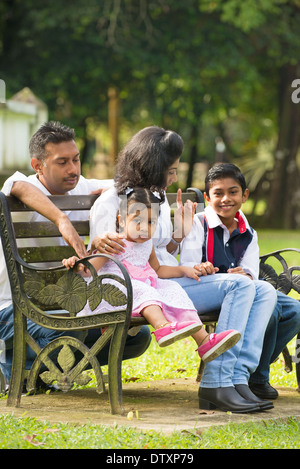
point(145, 159)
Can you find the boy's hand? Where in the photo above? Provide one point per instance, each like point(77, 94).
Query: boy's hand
point(238, 270)
point(206, 268)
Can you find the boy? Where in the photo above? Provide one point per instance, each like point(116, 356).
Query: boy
point(221, 240)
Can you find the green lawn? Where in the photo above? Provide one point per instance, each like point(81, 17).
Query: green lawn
point(273, 240)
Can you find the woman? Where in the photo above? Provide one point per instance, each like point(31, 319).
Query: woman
point(150, 159)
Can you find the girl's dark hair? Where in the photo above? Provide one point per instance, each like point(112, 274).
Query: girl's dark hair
point(50, 132)
point(138, 195)
point(222, 171)
point(145, 159)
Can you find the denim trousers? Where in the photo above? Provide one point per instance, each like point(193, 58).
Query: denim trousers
point(134, 347)
point(283, 326)
point(246, 306)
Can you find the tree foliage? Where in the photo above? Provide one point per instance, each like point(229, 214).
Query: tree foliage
point(207, 69)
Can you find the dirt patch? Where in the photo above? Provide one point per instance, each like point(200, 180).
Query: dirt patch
point(165, 405)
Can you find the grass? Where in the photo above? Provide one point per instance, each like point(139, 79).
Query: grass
point(176, 361)
point(29, 433)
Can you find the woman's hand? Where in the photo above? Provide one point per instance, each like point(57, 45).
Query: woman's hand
point(206, 268)
point(183, 217)
point(108, 243)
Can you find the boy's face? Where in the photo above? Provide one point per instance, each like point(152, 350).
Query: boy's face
point(60, 171)
point(226, 198)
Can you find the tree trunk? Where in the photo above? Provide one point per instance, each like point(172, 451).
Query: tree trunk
point(193, 154)
point(283, 205)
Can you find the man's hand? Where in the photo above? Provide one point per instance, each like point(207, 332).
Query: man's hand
point(70, 235)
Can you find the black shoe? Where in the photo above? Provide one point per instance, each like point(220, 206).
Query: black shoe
point(226, 399)
point(264, 391)
point(246, 393)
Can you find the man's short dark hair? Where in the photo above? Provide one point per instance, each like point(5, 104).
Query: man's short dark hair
point(50, 132)
point(222, 171)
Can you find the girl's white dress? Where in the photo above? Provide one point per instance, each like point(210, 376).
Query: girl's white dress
point(148, 289)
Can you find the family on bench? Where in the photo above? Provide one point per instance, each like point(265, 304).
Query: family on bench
point(203, 261)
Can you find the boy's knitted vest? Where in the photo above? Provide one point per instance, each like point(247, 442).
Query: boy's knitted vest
point(229, 255)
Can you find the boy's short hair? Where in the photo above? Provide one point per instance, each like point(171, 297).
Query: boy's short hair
point(222, 171)
point(50, 132)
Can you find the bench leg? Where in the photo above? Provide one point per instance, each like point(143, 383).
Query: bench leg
point(200, 371)
point(19, 361)
point(298, 361)
point(115, 372)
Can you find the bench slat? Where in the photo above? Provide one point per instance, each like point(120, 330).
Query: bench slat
point(46, 229)
point(63, 202)
point(46, 253)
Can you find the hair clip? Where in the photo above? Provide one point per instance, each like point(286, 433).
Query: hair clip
point(128, 190)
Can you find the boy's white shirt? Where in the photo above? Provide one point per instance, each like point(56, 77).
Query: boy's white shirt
point(84, 187)
point(191, 247)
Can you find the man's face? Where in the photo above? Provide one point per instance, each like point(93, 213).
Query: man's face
point(60, 171)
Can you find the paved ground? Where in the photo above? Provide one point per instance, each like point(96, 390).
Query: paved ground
point(161, 405)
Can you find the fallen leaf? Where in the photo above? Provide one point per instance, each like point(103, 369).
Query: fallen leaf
point(133, 379)
point(196, 433)
point(130, 415)
point(51, 430)
point(32, 441)
point(206, 412)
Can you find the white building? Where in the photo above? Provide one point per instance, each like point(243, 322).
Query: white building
point(20, 117)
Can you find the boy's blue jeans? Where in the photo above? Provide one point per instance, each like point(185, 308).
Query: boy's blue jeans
point(283, 326)
point(135, 345)
point(246, 306)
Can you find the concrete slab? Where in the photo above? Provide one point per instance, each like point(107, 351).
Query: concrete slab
point(165, 406)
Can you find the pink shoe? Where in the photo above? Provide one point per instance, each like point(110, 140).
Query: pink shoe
point(218, 344)
point(175, 331)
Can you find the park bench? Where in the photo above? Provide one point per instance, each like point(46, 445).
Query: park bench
point(37, 290)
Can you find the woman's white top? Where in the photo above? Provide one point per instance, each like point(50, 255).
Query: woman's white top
point(103, 218)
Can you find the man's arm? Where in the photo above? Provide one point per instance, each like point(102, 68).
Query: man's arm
point(35, 199)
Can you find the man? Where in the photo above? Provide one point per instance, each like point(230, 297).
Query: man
point(55, 159)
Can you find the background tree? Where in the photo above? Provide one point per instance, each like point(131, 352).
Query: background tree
point(209, 70)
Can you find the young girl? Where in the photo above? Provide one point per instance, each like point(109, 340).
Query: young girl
point(162, 302)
